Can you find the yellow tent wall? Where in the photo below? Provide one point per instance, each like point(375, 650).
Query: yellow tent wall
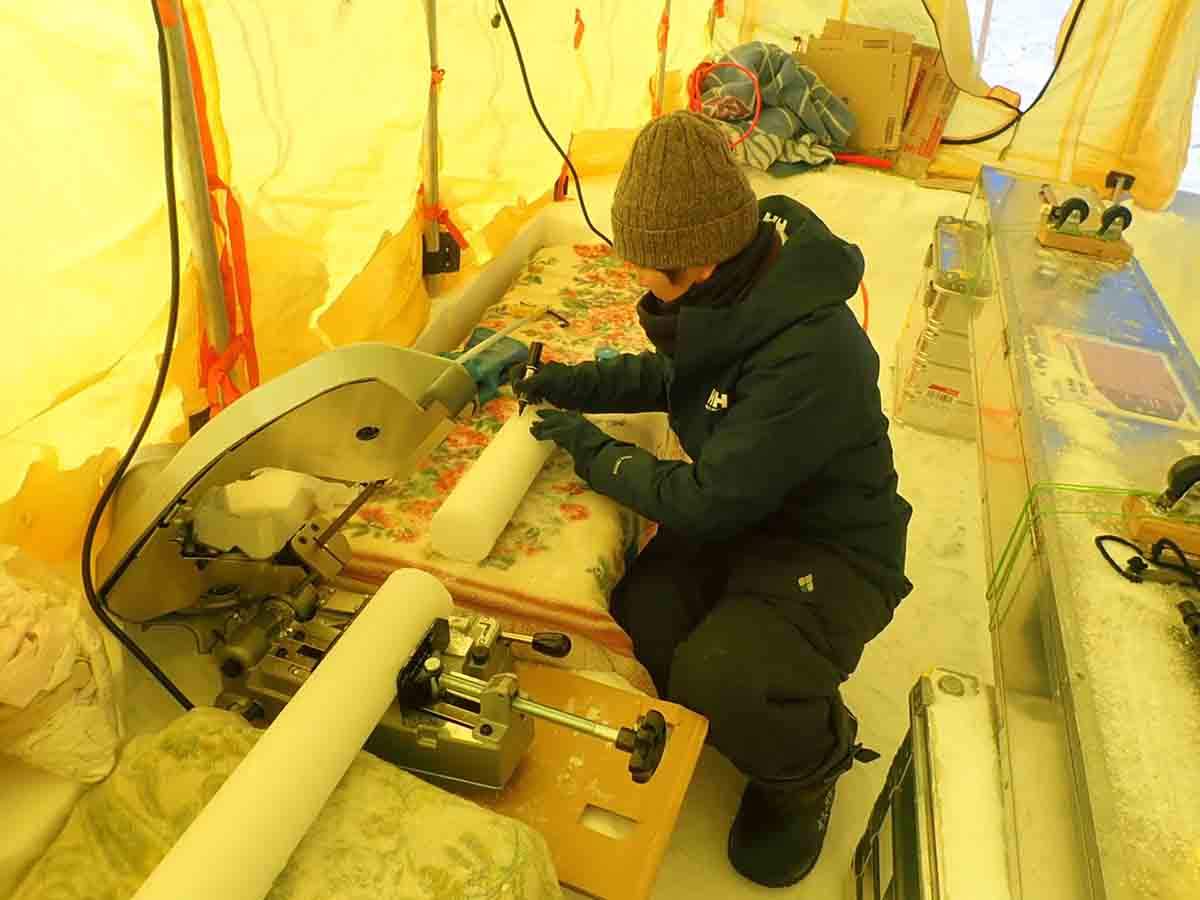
point(319, 108)
point(1122, 102)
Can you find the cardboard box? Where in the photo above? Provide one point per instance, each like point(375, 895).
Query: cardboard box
point(871, 70)
point(929, 108)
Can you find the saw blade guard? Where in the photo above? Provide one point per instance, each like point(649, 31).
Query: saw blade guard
point(357, 415)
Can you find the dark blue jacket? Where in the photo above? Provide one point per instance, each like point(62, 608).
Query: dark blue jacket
point(776, 401)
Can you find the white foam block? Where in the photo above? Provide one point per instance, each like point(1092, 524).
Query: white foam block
point(481, 505)
point(243, 838)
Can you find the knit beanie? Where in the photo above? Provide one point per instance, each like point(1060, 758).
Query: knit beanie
point(682, 200)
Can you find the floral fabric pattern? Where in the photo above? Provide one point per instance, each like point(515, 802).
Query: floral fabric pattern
point(555, 565)
point(383, 833)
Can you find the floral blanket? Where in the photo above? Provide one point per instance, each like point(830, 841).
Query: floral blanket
point(383, 834)
point(555, 565)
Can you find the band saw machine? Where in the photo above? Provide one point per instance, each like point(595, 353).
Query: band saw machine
point(263, 590)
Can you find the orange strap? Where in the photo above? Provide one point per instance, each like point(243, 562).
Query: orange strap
point(441, 215)
point(719, 9)
point(695, 90)
point(216, 369)
point(166, 12)
point(579, 28)
point(664, 31)
point(439, 75)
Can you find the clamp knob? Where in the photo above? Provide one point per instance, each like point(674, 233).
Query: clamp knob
point(645, 746)
point(552, 643)
point(547, 643)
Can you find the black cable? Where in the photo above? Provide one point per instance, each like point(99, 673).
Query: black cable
point(1131, 573)
point(1020, 113)
point(533, 104)
point(89, 538)
point(1184, 566)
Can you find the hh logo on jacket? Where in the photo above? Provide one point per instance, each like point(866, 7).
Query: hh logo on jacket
point(780, 225)
point(717, 401)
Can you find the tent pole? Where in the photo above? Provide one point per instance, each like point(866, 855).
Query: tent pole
point(432, 194)
point(661, 90)
point(984, 28)
point(195, 193)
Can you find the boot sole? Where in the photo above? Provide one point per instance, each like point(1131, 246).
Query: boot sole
point(785, 883)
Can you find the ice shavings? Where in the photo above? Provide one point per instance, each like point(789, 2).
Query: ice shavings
point(1144, 679)
point(966, 792)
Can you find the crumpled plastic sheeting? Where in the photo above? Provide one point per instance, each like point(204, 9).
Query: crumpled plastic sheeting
point(260, 514)
point(58, 709)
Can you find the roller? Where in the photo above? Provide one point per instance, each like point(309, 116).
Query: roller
point(245, 835)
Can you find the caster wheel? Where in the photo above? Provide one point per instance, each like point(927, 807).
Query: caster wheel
point(1114, 214)
point(1060, 214)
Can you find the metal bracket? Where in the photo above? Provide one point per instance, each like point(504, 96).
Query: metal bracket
point(327, 559)
point(444, 258)
point(1117, 182)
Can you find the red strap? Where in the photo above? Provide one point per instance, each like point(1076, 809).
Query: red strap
point(664, 32)
point(579, 29)
point(166, 12)
point(216, 369)
point(563, 185)
point(695, 90)
point(857, 159)
point(441, 215)
point(719, 9)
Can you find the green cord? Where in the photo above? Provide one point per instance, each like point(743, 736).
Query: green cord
point(1008, 556)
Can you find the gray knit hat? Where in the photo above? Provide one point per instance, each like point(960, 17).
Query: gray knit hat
point(682, 200)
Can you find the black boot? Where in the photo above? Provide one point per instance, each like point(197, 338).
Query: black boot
point(780, 827)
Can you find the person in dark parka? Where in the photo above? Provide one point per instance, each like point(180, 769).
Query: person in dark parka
point(781, 544)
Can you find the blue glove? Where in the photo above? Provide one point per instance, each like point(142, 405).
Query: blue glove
point(573, 433)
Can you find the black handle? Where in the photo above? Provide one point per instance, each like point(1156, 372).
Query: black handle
point(645, 746)
point(531, 366)
point(552, 643)
point(535, 355)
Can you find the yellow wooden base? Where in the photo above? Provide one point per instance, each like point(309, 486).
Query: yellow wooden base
point(565, 772)
point(1146, 526)
point(1114, 251)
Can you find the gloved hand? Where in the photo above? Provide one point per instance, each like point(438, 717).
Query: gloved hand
point(574, 433)
point(552, 383)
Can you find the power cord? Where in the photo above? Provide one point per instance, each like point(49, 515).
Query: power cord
point(1136, 568)
point(89, 539)
point(533, 105)
point(1139, 564)
point(1020, 113)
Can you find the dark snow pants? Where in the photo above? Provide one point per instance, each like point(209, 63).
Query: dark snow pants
point(757, 638)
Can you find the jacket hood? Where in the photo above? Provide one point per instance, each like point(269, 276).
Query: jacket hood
point(815, 270)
